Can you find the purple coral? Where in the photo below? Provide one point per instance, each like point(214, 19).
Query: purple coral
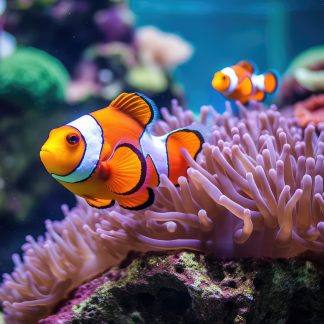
point(115, 23)
point(256, 190)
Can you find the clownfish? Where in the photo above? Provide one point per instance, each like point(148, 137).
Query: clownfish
point(110, 154)
point(239, 82)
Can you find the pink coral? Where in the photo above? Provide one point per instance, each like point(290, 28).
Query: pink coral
point(310, 110)
point(160, 48)
point(256, 190)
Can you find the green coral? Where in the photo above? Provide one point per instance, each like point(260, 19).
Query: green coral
point(299, 68)
point(32, 79)
point(307, 58)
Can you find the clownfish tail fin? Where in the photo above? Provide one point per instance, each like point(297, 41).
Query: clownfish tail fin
point(188, 139)
point(270, 82)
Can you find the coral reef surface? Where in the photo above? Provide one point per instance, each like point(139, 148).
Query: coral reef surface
point(190, 288)
point(301, 93)
point(105, 56)
point(256, 190)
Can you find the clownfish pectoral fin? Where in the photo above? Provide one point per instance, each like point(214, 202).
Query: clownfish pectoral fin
point(190, 140)
point(126, 170)
point(137, 106)
point(258, 96)
point(246, 87)
point(154, 178)
point(100, 203)
point(247, 66)
point(137, 201)
point(270, 82)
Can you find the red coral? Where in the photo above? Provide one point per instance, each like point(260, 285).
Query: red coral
point(310, 110)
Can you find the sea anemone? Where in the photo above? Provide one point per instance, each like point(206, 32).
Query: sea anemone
point(255, 190)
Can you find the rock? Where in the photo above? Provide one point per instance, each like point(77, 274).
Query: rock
point(191, 288)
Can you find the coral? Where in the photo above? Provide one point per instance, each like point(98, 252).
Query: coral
point(310, 110)
point(148, 78)
point(115, 65)
point(116, 23)
point(107, 44)
point(103, 67)
point(160, 48)
point(290, 92)
point(301, 93)
point(190, 288)
point(19, 83)
point(84, 85)
point(32, 87)
point(308, 58)
point(256, 190)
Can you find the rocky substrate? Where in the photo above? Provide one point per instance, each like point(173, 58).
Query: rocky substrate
point(191, 288)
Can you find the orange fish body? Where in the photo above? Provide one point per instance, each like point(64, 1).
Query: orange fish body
point(239, 82)
point(110, 155)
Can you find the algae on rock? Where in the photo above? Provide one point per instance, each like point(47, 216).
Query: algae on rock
point(189, 287)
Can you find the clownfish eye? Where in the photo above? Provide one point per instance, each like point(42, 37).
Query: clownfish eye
point(73, 139)
point(223, 77)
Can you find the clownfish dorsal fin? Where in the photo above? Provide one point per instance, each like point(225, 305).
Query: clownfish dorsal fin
point(125, 170)
point(247, 66)
point(137, 106)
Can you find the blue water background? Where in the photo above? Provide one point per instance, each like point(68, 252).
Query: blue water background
point(270, 33)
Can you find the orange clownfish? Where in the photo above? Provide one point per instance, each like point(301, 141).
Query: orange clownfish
point(110, 155)
point(239, 82)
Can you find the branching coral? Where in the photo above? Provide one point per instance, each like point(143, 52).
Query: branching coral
point(256, 190)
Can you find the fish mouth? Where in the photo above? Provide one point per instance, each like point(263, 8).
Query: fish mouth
point(45, 149)
point(44, 153)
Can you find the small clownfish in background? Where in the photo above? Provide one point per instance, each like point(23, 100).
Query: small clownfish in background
point(110, 155)
point(239, 82)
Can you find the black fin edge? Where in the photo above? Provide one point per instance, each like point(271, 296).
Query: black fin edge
point(146, 204)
